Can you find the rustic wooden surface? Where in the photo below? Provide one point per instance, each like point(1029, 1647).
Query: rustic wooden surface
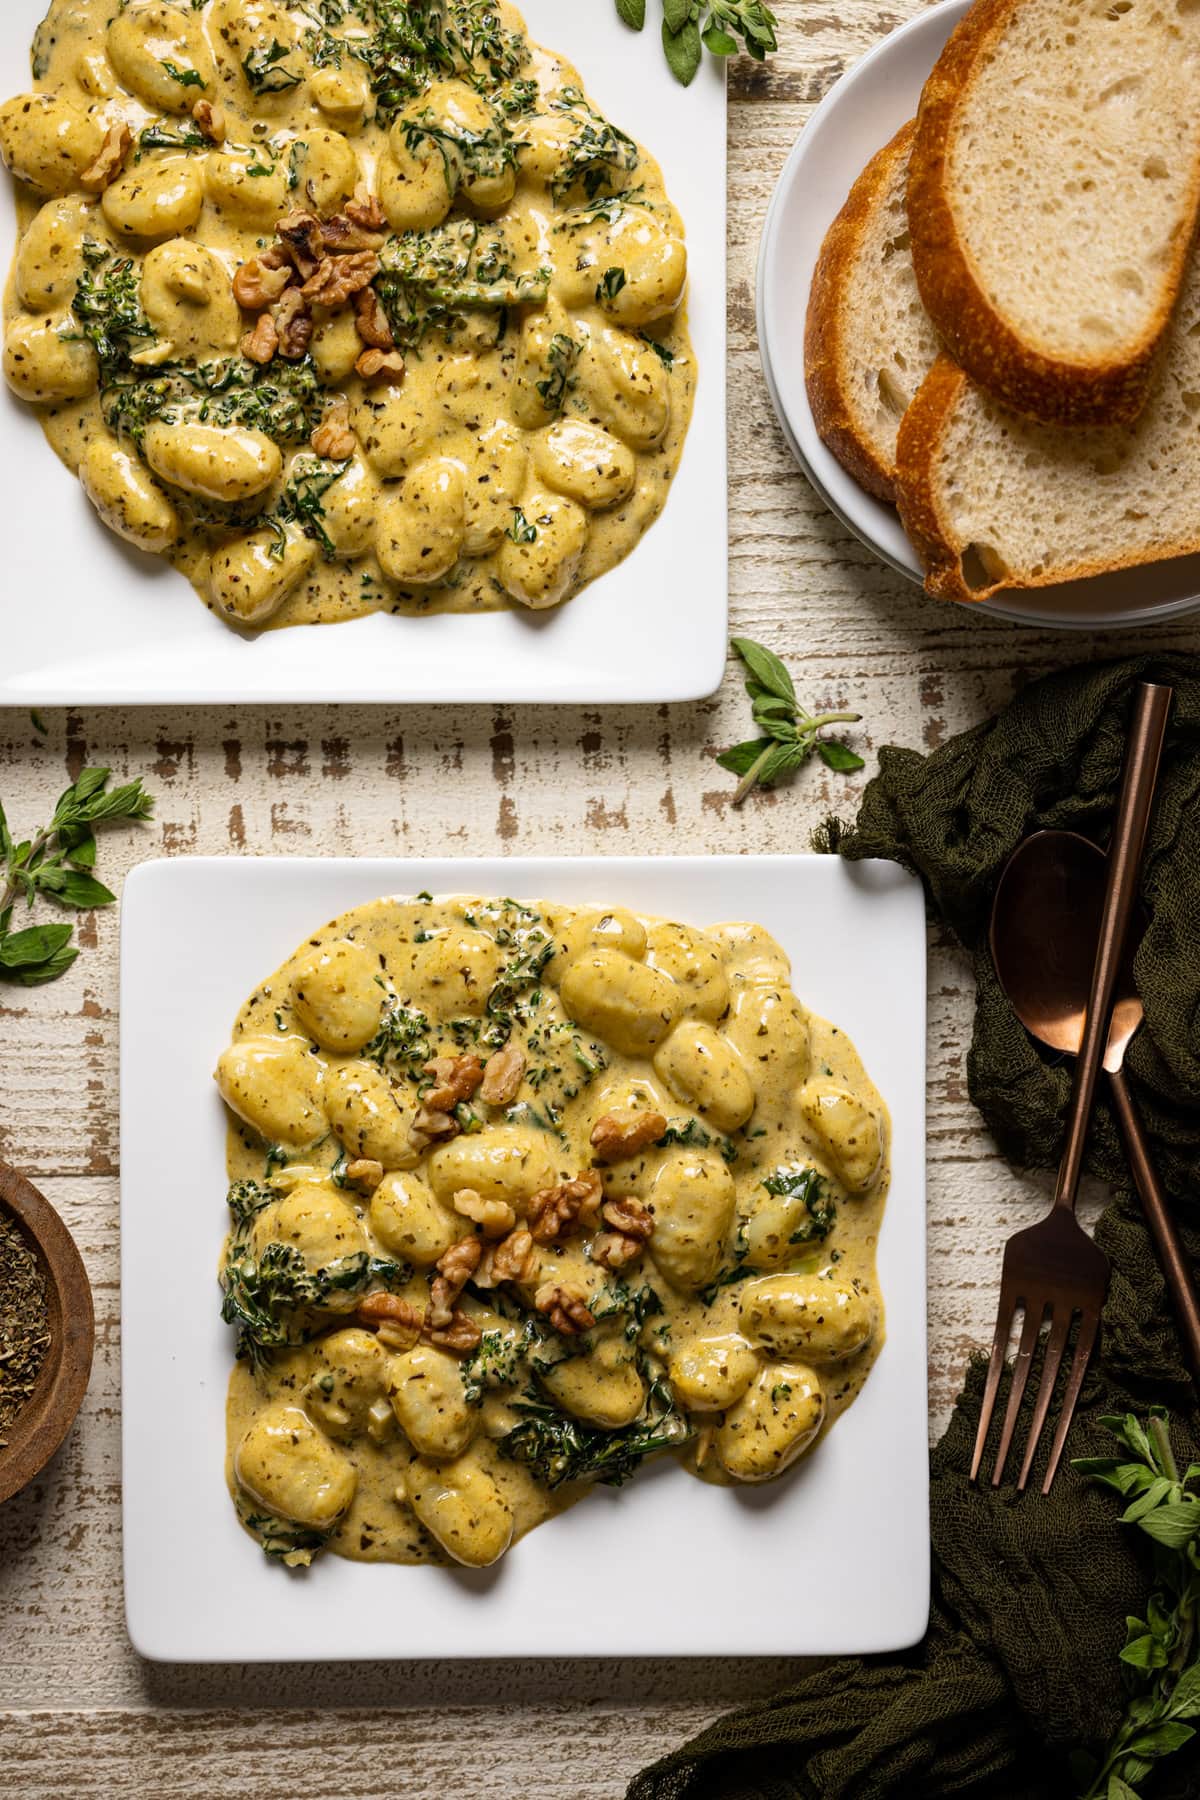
point(79, 1712)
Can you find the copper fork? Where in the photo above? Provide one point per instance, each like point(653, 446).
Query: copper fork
point(1053, 1271)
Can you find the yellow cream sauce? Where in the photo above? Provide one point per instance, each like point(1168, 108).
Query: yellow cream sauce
point(527, 447)
point(744, 1328)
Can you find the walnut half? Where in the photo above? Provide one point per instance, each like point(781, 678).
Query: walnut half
point(624, 1132)
point(566, 1308)
point(555, 1212)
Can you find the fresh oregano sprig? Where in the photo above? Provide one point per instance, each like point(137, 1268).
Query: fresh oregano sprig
point(789, 734)
point(723, 27)
point(1161, 1658)
point(56, 864)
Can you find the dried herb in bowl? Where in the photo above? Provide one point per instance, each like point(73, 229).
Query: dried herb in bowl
point(24, 1323)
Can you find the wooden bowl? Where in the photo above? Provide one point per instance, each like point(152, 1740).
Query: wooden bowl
point(62, 1381)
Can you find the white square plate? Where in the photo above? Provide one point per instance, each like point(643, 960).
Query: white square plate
point(90, 621)
point(809, 1565)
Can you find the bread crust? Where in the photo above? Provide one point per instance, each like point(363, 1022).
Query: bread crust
point(825, 343)
point(1051, 389)
point(917, 455)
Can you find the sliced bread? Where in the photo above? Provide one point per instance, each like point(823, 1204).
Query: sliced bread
point(1054, 185)
point(868, 343)
point(992, 500)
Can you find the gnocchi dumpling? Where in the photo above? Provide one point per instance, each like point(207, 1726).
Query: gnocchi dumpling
point(258, 48)
point(775, 1421)
point(121, 489)
point(693, 1199)
point(251, 187)
point(318, 1221)
point(849, 1130)
point(290, 1468)
point(627, 386)
point(216, 462)
point(48, 142)
point(540, 557)
point(348, 1388)
point(368, 1118)
point(410, 1223)
point(508, 1162)
point(630, 268)
point(614, 929)
point(337, 995)
point(631, 1006)
point(250, 577)
point(461, 1506)
point(276, 1085)
point(187, 297)
point(155, 200)
point(430, 1405)
point(419, 535)
point(458, 969)
point(586, 463)
point(821, 1320)
point(710, 1374)
point(160, 53)
point(705, 1072)
point(694, 963)
point(45, 359)
point(50, 257)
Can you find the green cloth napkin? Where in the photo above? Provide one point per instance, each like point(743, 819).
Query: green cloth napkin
point(1020, 1664)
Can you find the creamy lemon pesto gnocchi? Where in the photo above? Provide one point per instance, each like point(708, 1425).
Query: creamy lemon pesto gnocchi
point(344, 305)
point(522, 1196)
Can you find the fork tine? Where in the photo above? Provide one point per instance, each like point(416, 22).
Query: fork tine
point(1004, 1320)
point(1056, 1343)
point(1020, 1376)
point(1089, 1325)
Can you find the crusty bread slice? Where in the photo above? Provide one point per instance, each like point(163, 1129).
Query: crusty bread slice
point(1054, 185)
point(993, 500)
point(868, 343)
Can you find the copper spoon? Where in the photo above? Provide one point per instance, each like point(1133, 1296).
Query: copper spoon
point(1045, 924)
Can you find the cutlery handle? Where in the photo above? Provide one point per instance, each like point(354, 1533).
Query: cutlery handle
point(1171, 1255)
point(1147, 730)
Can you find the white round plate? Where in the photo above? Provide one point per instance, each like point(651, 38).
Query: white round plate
point(857, 117)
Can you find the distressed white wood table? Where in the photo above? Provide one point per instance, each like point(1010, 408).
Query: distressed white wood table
point(79, 1713)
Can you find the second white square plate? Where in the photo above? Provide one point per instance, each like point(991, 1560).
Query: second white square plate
point(89, 621)
point(813, 1564)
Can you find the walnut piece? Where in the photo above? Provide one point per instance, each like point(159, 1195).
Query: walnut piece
point(341, 234)
point(210, 121)
point(365, 1173)
point(630, 1228)
point(455, 1080)
point(460, 1336)
point(366, 211)
point(381, 365)
point(300, 235)
point(430, 1127)
point(338, 278)
point(503, 1076)
point(555, 1212)
point(372, 321)
point(293, 321)
point(455, 1269)
point(118, 141)
point(566, 1308)
point(624, 1132)
point(260, 345)
point(515, 1259)
point(398, 1322)
point(258, 284)
point(334, 437)
point(495, 1218)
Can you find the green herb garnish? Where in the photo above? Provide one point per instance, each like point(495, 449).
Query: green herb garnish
point(56, 864)
point(723, 27)
point(790, 735)
point(1161, 1658)
point(266, 70)
point(556, 1448)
